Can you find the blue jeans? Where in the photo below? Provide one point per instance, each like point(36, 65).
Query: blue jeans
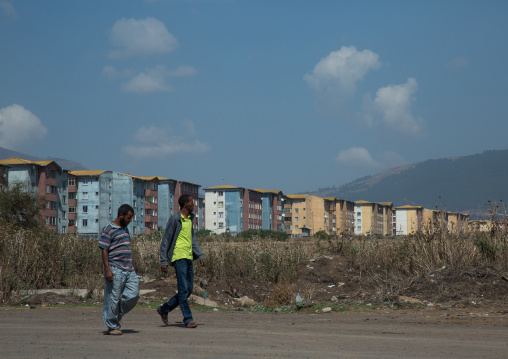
point(120, 296)
point(185, 281)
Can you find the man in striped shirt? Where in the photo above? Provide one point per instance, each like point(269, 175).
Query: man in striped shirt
point(121, 283)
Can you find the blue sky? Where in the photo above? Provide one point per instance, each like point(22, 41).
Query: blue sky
point(288, 95)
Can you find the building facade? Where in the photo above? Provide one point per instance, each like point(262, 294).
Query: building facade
point(373, 218)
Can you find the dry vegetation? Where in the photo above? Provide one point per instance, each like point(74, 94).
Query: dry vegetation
point(430, 266)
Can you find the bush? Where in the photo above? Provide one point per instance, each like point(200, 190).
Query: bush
point(19, 206)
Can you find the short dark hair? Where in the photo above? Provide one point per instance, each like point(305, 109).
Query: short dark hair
point(124, 209)
point(184, 198)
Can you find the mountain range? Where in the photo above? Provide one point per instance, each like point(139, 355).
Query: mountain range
point(459, 184)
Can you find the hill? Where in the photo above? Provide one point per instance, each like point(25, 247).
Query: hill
point(65, 164)
point(460, 184)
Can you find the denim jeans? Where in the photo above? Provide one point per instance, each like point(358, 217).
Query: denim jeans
point(185, 281)
point(120, 296)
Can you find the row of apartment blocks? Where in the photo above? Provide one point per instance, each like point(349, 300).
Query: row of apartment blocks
point(85, 202)
point(235, 209)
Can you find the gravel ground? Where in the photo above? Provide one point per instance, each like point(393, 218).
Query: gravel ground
point(78, 332)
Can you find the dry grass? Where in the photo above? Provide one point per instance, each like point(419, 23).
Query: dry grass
point(39, 258)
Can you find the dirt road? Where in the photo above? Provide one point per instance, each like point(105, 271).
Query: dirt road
point(79, 333)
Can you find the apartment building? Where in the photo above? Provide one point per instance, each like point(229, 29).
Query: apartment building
point(373, 218)
point(48, 180)
point(304, 214)
point(407, 219)
point(479, 225)
point(98, 196)
point(271, 209)
point(232, 209)
point(339, 216)
point(457, 222)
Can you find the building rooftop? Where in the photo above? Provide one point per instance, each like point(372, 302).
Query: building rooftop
point(297, 196)
point(266, 190)
point(87, 173)
point(20, 161)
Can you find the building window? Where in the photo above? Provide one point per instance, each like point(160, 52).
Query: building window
point(85, 182)
point(85, 222)
point(72, 209)
point(85, 195)
point(73, 195)
point(64, 199)
point(96, 193)
point(296, 210)
point(221, 204)
point(221, 214)
point(221, 193)
point(71, 222)
point(221, 225)
point(72, 181)
point(85, 209)
point(47, 189)
point(358, 214)
point(296, 219)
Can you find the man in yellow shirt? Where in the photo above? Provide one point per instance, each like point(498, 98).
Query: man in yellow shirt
point(179, 247)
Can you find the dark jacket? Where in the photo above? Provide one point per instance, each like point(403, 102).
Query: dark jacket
point(169, 239)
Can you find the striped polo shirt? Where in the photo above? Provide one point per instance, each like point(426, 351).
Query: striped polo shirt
point(117, 241)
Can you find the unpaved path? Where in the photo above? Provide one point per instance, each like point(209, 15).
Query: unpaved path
point(79, 333)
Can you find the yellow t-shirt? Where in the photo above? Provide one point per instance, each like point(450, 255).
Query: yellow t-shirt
point(183, 245)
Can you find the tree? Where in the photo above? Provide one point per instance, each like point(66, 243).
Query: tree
point(19, 206)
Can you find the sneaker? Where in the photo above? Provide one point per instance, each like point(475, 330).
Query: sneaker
point(164, 316)
point(112, 331)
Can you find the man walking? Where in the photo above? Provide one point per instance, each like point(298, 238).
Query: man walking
point(179, 247)
point(121, 284)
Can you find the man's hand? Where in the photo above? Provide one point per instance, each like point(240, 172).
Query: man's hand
point(164, 268)
point(202, 262)
point(109, 275)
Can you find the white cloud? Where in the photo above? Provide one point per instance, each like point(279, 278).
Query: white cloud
point(458, 62)
point(393, 102)
point(357, 157)
point(360, 158)
point(155, 79)
point(155, 142)
point(141, 38)
point(8, 10)
point(342, 69)
point(19, 127)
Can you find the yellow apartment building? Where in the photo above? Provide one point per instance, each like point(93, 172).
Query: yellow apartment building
point(373, 218)
point(304, 214)
point(452, 221)
point(408, 219)
point(479, 225)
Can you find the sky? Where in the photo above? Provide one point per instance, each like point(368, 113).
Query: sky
point(287, 95)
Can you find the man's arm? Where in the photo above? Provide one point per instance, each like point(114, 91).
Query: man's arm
point(165, 243)
point(105, 260)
